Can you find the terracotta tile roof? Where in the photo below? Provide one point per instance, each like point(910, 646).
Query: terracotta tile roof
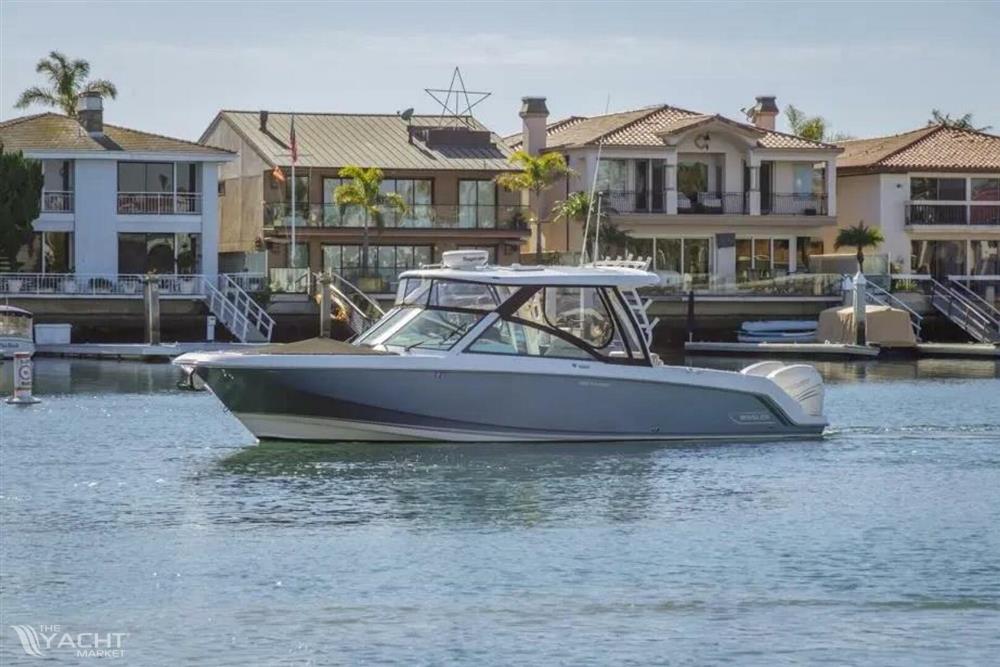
point(932, 148)
point(331, 140)
point(644, 127)
point(56, 132)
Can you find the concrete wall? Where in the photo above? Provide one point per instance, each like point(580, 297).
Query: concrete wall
point(95, 232)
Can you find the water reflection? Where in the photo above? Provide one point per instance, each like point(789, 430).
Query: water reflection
point(485, 485)
point(94, 376)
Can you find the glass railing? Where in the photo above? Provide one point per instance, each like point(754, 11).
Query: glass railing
point(421, 216)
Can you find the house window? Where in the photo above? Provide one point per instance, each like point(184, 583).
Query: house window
point(804, 179)
point(159, 253)
point(418, 196)
point(46, 252)
point(807, 247)
point(985, 258)
point(676, 257)
point(692, 178)
point(986, 189)
point(152, 177)
point(937, 189)
point(477, 204)
point(761, 258)
point(384, 261)
point(612, 176)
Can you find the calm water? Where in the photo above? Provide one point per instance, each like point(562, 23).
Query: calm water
point(129, 506)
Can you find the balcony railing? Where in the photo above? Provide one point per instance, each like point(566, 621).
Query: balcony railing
point(792, 204)
point(952, 214)
point(712, 203)
point(430, 216)
point(57, 201)
point(83, 285)
point(159, 203)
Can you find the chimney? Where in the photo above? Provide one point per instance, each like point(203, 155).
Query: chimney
point(533, 114)
point(764, 112)
point(90, 112)
point(263, 121)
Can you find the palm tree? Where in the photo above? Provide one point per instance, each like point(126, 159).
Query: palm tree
point(68, 83)
point(963, 122)
point(575, 208)
point(538, 174)
point(860, 236)
point(364, 191)
point(813, 128)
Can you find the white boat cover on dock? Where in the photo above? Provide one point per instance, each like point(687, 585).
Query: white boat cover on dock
point(888, 327)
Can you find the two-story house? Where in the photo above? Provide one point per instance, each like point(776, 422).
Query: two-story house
point(118, 205)
point(934, 192)
point(712, 200)
point(443, 168)
point(115, 200)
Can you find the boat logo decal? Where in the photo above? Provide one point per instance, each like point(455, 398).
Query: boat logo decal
point(757, 417)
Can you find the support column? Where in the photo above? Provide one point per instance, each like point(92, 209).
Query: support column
point(670, 177)
point(831, 187)
point(325, 305)
point(753, 194)
point(725, 259)
point(151, 301)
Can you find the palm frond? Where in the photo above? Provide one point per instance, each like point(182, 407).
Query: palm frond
point(103, 87)
point(36, 95)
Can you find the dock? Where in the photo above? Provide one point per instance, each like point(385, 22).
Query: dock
point(797, 349)
point(133, 351)
point(845, 351)
point(959, 350)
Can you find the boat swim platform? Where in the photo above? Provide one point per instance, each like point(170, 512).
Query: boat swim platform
point(842, 350)
point(134, 351)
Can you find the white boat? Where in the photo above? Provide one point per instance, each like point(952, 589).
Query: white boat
point(16, 331)
point(472, 352)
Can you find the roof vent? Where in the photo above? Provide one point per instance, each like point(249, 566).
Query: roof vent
point(465, 259)
point(90, 112)
point(263, 121)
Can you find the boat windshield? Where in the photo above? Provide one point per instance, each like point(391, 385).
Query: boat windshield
point(15, 325)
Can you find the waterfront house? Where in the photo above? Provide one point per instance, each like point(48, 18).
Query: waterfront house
point(935, 193)
point(117, 204)
point(714, 201)
point(443, 167)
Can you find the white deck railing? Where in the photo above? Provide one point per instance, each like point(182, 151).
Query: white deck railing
point(159, 203)
point(57, 201)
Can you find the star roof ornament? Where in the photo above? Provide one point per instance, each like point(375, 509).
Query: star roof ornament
point(458, 102)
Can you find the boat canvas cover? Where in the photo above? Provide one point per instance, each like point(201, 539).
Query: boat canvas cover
point(885, 326)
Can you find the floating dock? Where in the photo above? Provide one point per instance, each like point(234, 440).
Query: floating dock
point(797, 349)
point(844, 351)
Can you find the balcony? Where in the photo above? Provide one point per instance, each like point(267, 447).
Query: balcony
point(57, 201)
point(952, 214)
point(792, 204)
point(159, 203)
point(714, 203)
point(431, 216)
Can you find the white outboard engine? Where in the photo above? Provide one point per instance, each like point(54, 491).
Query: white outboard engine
point(800, 381)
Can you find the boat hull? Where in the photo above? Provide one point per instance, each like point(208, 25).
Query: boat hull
point(400, 404)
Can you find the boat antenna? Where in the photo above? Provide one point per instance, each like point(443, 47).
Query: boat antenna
point(593, 192)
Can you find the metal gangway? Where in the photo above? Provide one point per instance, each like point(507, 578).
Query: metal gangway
point(971, 312)
point(361, 310)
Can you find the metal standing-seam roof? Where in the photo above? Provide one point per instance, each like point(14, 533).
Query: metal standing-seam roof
point(56, 132)
point(644, 127)
point(932, 148)
point(332, 140)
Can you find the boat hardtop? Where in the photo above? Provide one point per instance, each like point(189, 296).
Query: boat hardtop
point(590, 275)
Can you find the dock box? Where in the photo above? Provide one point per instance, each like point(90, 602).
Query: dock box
point(53, 334)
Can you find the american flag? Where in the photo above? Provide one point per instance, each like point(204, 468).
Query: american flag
point(295, 145)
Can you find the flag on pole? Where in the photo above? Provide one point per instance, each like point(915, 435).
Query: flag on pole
point(294, 144)
point(277, 174)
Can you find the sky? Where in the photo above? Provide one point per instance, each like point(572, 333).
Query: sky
point(868, 68)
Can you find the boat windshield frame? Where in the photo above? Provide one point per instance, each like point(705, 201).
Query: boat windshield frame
point(15, 324)
point(426, 295)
